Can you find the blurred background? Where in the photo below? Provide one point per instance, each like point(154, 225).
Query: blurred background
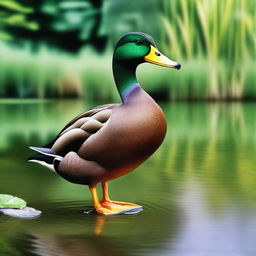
point(52, 49)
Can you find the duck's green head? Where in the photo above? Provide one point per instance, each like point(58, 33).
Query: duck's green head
point(131, 50)
point(136, 47)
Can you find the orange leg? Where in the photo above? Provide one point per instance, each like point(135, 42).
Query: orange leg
point(106, 209)
point(106, 202)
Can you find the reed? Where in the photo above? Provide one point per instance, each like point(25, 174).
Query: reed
point(223, 33)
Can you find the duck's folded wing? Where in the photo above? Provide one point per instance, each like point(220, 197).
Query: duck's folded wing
point(81, 128)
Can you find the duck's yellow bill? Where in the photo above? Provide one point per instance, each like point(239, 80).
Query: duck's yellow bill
point(158, 58)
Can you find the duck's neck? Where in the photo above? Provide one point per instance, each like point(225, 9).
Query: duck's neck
point(125, 78)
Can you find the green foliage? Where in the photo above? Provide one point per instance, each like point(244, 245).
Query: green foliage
point(13, 15)
point(14, 6)
point(62, 24)
point(8, 201)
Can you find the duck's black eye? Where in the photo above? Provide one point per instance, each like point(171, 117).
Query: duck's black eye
point(138, 42)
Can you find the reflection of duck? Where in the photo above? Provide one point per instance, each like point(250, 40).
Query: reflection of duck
point(78, 245)
point(111, 140)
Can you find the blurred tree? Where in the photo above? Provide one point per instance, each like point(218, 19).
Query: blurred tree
point(13, 15)
point(65, 24)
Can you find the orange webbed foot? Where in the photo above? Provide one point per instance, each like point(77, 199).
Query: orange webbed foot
point(114, 209)
point(111, 203)
point(109, 207)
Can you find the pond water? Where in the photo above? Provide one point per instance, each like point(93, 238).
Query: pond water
point(198, 190)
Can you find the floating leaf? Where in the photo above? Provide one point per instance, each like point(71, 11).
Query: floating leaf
point(8, 201)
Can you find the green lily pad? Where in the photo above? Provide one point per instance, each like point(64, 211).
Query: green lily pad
point(8, 201)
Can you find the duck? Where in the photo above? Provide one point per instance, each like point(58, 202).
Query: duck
point(111, 140)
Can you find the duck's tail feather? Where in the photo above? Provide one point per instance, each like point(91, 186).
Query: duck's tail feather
point(44, 151)
point(46, 157)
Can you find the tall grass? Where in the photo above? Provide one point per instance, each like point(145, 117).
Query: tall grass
point(221, 32)
point(50, 73)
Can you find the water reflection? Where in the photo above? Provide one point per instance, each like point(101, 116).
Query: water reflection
point(198, 190)
point(68, 230)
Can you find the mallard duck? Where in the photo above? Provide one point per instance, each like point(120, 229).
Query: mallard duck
point(112, 140)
